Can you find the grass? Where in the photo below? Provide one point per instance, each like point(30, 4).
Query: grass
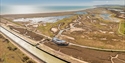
point(122, 27)
point(46, 29)
point(10, 54)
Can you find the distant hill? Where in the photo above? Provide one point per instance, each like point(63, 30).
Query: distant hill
point(110, 5)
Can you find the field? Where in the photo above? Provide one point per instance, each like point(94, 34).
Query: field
point(11, 54)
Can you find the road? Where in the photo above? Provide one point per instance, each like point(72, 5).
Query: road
point(33, 50)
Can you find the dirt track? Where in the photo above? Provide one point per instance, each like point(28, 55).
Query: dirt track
point(92, 56)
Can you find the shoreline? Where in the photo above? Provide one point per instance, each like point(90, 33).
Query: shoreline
point(66, 12)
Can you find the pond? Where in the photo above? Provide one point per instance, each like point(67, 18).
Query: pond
point(106, 16)
point(42, 19)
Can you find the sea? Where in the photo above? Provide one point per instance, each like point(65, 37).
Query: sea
point(38, 9)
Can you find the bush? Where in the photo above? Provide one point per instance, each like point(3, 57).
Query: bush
point(14, 49)
point(25, 58)
point(30, 62)
point(10, 48)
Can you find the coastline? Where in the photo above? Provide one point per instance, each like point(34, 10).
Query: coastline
point(46, 14)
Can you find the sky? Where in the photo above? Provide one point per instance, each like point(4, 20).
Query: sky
point(40, 6)
point(60, 2)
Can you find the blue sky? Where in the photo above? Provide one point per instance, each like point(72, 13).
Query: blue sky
point(60, 2)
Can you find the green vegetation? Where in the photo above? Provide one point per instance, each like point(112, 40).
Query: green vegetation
point(122, 27)
point(46, 29)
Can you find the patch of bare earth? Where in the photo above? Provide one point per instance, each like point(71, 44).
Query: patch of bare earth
point(92, 56)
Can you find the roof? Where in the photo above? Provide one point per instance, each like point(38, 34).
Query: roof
point(58, 40)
